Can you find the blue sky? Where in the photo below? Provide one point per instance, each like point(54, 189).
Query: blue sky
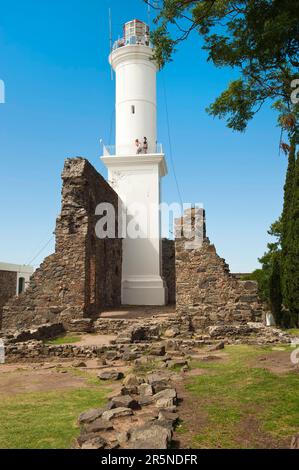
point(59, 103)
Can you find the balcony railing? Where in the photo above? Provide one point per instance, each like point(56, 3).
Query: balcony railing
point(132, 41)
point(109, 150)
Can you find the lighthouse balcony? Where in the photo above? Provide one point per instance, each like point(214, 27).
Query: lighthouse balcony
point(132, 41)
point(127, 159)
point(130, 150)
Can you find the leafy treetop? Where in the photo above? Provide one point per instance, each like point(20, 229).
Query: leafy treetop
point(259, 38)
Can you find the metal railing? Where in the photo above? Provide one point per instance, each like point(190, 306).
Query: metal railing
point(109, 150)
point(132, 41)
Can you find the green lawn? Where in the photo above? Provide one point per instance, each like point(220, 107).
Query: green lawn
point(64, 340)
point(234, 391)
point(293, 331)
point(45, 420)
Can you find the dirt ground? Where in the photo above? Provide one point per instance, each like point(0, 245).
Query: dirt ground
point(95, 340)
point(278, 363)
point(46, 377)
point(139, 312)
point(25, 380)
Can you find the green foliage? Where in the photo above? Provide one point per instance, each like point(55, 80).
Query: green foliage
point(238, 96)
point(293, 300)
point(64, 340)
point(293, 332)
point(261, 276)
point(288, 193)
point(278, 279)
point(258, 38)
point(275, 294)
point(290, 240)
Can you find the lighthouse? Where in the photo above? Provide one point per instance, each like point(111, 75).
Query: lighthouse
point(136, 166)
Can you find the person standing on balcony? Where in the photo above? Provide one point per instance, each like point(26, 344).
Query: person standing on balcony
point(145, 145)
point(138, 146)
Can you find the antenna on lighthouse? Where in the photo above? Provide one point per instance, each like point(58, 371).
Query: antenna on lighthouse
point(110, 39)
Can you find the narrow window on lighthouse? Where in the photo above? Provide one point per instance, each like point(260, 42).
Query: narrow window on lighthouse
point(133, 109)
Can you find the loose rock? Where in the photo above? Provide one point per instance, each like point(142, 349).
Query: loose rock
point(157, 350)
point(217, 347)
point(158, 382)
point(145, 390)
point(117, 413)
point(132, 380)
point(124, 401)
point(150, 436)
point(79, 364)
point(90, 415)
point(111, 375)
point(97, 426)
point(94, 444)
point(172, 332)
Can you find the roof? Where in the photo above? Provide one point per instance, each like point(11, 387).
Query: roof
point(17, 268)
point(135, 19)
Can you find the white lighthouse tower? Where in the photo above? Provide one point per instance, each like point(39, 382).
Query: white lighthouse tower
point(135, 169)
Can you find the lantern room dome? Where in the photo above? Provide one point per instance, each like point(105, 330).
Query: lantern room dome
point(135, 32)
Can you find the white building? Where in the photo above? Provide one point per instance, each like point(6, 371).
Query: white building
point(19, 274)
point(135, 170)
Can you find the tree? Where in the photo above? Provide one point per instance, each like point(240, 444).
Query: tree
point(290, 242)
point(259, 38)
point(287, 222)
point(263, 275)
point(278, 279)
point(275, 294)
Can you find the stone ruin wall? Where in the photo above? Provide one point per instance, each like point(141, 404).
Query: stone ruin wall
point(168, 268)
point(206, 292)
point(8, 286)
point(83, 276)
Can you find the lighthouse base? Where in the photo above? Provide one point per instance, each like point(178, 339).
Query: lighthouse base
point(144, 290)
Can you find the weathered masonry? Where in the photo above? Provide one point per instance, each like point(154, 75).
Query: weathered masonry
point(13, 281)
point(83, 276)
point(206, 292)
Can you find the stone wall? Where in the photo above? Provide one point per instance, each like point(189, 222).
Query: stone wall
point(8, 287)
point(206, 293)
point(40, 333)
point(168, 268)
point(83, 276)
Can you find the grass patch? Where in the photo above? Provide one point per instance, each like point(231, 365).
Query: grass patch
point(293, 331)
point(64, 340)
point(91, 379)
point(232, 390)
point(45, 420)
point(181, 427)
